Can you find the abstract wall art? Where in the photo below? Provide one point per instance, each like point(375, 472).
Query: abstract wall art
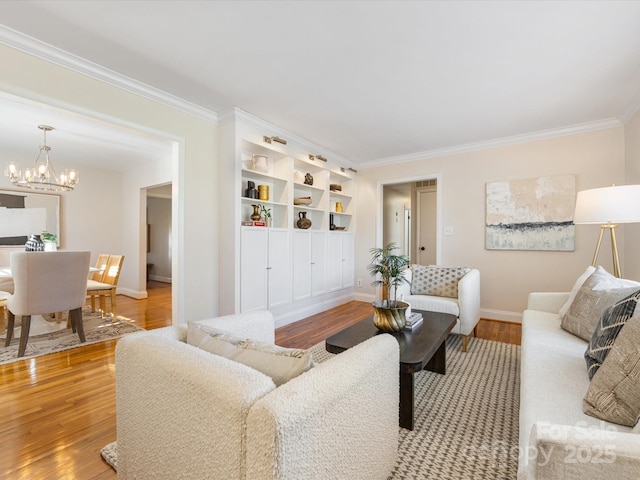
point(531, 214)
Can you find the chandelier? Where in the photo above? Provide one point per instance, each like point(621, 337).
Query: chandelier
point(42, 175)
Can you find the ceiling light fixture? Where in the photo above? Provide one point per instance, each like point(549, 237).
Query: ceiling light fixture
point(274, 139)
point(42, 175)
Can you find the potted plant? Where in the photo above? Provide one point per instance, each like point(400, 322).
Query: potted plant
point(266, 214)
point(50, 241)
point(388, 271)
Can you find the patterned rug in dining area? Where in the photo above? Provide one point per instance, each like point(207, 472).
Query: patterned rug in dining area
point(466, 422)
point(48, 336)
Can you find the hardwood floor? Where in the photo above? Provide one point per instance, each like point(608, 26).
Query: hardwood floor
point(58, 410)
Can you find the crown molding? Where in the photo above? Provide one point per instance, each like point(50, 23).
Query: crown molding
point(498, 142)
point(57, 56)
point(235, 114)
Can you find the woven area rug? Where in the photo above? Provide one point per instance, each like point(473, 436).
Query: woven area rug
point(466, 423)
point(57, 337)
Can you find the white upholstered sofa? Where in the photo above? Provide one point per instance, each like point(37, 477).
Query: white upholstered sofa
point(185, 413)
point(465, 306)
point(557, 440)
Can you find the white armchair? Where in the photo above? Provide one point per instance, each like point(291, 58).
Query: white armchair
point(185, 413)
point(466, 306)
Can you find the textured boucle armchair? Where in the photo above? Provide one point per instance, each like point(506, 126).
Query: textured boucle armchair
point(185, 413)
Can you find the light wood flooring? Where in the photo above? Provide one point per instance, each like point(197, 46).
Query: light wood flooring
point(58, 410)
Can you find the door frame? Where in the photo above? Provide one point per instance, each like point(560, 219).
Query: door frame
point(417, 178)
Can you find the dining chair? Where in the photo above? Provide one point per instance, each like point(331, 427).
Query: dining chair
point(106, 286)
point(100, 267)
point(46, 282)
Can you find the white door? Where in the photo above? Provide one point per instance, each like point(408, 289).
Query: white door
point(318, 263)
point(302, 264)
point(253, 268)
point(279, 267)
point(426, 227)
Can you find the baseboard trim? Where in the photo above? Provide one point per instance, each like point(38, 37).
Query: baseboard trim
point(137, 294)
point(158, 278)
point(501, 315)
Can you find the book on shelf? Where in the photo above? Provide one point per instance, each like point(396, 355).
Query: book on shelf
point(251, 223)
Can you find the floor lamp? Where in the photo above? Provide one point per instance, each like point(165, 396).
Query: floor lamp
point(608, 207)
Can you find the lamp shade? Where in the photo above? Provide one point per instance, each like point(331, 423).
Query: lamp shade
point(616, 204)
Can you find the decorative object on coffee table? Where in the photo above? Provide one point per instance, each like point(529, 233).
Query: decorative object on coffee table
point(388, 271)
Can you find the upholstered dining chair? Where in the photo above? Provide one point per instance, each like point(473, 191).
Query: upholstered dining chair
point(46, 282)
point(107, 285)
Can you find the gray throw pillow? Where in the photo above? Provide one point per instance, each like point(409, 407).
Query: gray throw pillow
point(598, 292)
point(607, 329)
point(614, 392)
point(279, 363)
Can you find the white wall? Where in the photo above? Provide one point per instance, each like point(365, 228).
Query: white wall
point(631, 260)
point(596, 158)
point(194, 175)
point(393, 229)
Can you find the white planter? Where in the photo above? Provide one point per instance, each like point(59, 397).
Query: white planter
point(50, 247)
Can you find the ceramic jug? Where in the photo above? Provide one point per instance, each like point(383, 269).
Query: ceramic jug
point(303, 222)
point(255, 216)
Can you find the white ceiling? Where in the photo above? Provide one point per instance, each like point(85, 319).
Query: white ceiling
point(368, 80)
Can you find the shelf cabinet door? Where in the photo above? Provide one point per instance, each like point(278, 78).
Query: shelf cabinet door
point(347, 260)
point(253, 269)
point(339, 261)
point(302, 259)
point(265, 276)
point(318, 263)
point(279, 276)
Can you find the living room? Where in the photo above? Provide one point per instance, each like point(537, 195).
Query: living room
point(600, 151)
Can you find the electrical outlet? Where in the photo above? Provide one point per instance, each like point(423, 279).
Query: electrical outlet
point(359, 282)
point(448, 230)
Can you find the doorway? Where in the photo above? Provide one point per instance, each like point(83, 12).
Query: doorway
point(410, 218)
point(159, 234)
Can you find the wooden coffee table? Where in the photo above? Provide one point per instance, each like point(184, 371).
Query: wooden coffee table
point(420, 348)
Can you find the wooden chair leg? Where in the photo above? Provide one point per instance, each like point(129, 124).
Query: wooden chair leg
point(113, 303)
point(93, 302)
point(76, 321)
point(24, 334)
point(103, 304)
point(464, 342)
point(11, 319)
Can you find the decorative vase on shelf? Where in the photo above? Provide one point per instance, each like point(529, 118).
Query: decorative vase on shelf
point(303, 222)
point(34, 244)
point(255, 216)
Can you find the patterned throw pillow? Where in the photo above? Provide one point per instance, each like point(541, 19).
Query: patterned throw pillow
point(436, 281)
point(614, 392)
point(608, 328)
point(599, 291)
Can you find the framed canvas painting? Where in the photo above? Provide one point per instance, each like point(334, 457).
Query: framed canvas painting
point(531, 214)
point(23, 214)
